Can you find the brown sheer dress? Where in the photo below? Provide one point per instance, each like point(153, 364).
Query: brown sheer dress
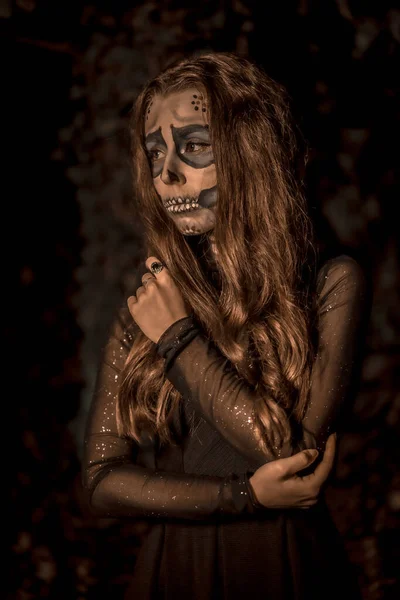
point(208, 538)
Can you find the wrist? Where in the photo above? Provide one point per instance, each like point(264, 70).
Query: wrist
point(236, 496)
point(251, 490)
point(175, 338)
point(169, 329)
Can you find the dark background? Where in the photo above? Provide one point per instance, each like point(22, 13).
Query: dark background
point(71, 71)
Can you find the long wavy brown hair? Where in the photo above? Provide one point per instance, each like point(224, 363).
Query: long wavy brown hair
point(260, 315)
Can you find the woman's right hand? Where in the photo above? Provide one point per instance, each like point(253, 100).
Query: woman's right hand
point(277, 485)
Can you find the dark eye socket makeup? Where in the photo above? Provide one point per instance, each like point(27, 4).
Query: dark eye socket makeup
point(202, 146)
point(155, 139)
point(194, 134)
point(190, 134)
point(187, 148)
point(202, 130)
point(152, 154)
point(202, 134)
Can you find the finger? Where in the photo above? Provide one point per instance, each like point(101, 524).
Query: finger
point(147, 278)
point(131, 301)
point(298, 461)
point(324, 468)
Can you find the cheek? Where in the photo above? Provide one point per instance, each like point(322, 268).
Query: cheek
point(160, 187)
point(207, 177)
point(157, 184)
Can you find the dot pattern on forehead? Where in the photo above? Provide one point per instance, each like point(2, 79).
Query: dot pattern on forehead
point(196, 102)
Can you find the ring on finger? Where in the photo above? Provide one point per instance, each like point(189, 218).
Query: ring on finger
point(156, 267)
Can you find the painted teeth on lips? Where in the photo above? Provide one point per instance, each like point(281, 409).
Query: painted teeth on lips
point(181, 204)
point(179, 200)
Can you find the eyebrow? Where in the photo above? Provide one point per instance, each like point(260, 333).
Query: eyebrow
point(188, 129)
point(155, 136)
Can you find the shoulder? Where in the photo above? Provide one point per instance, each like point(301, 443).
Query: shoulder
point(341, 268)
point(340, 279)
point(342, 265)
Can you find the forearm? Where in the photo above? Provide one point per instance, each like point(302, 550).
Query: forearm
point(129, 490)
point(202, 374)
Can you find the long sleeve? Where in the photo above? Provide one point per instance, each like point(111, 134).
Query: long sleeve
point(118, 487)
point(202, 374)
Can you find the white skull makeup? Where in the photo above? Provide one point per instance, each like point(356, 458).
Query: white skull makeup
point(181, 158)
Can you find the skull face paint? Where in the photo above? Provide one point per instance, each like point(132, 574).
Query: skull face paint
point(180, 155)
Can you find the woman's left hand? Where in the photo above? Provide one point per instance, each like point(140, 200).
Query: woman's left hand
point(277, 484)
point(158, 302)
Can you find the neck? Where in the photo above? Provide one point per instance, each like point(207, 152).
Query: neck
point(204, 248)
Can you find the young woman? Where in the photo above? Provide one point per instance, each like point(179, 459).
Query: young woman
point(235, 356)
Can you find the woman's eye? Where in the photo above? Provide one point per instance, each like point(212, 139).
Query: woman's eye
point(154, 155)
point(196, 147)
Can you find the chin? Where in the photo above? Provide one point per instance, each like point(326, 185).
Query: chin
point(189, 232)
point(193, 230)
point(195, 224)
